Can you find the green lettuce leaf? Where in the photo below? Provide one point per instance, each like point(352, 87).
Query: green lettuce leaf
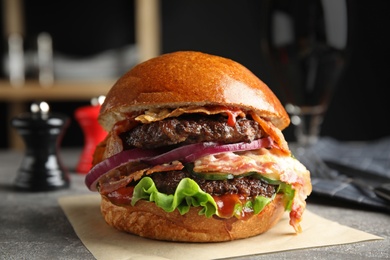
point(260, 202)
point(189, 194)
point(288, 192)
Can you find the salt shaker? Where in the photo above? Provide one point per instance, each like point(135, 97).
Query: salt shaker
point(87, 117)
point(41, 168)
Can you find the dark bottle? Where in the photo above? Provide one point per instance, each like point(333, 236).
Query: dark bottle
point(41, 168)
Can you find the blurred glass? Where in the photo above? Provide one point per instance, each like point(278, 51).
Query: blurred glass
point(306, 47)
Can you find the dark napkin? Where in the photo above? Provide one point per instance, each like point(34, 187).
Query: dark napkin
point(349, 171)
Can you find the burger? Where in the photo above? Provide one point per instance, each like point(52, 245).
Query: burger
point(195, 153)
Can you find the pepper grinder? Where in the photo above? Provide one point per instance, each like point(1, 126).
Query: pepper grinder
point(93, 132)
point(41, 168)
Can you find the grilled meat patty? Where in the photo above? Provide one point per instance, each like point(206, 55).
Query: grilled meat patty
point(167, 182)
point(191, 129)
point(196, 128)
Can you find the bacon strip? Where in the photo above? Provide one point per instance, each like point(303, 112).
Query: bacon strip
point(120, 177)
point(273, 131)
point(160, 114)
point(271, 163)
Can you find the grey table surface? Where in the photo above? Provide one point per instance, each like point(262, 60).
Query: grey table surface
point(33, 225)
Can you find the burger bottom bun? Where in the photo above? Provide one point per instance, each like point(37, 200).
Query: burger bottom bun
point(145, 219)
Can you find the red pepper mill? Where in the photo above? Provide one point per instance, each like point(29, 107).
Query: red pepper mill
point(93, 132)
point(41, 168)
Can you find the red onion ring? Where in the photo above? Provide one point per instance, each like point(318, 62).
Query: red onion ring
point(114, 161)
point(185, 154)
point(190, 153)
point(179, 153)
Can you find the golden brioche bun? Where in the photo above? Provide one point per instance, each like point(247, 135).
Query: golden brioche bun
point(188, 78)
point(145, 219)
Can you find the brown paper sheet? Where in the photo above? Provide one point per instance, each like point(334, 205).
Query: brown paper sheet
point(104, 242)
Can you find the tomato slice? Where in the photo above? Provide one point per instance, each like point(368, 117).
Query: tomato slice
point(121, 196)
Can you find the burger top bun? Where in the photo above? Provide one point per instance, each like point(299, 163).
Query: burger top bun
point(188, 78)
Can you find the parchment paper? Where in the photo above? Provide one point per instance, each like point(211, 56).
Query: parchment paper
point(104, 242)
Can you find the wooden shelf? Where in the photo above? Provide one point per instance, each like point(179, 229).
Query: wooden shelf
point(147, 15)
point(61, 90)
point(16, 97)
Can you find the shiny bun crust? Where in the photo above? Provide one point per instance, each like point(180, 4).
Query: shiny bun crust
point(145, 219)
point(188, 78)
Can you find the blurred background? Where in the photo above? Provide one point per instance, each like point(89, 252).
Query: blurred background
point(97, 41)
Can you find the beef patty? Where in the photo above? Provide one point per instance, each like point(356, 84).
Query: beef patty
point(166, 182)
point(196, 128)
point(191, 129)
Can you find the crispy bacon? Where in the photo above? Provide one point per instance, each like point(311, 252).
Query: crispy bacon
point(160, 114)
point(123, 175)
point(273, 131)
point(270, 163)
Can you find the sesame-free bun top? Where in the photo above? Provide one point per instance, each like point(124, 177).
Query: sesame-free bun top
point(190, 78)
